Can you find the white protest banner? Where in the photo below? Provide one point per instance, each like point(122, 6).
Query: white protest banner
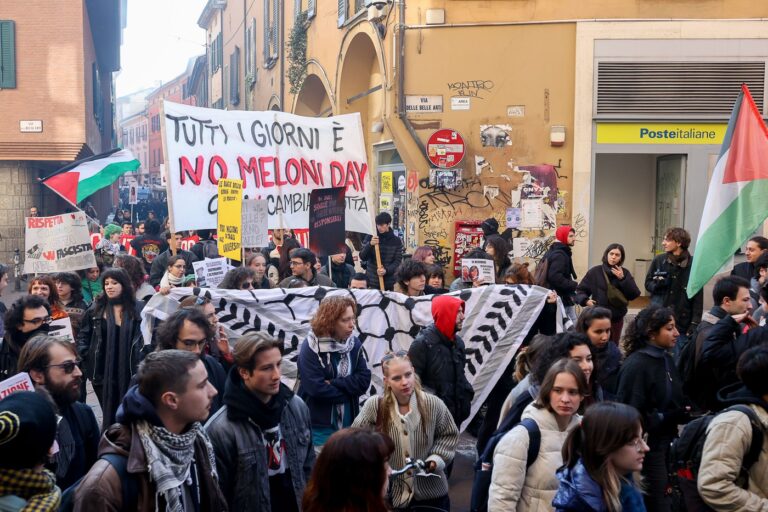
point(279, 157)
point(62, 328)
point(210, 272)
point(255, 218)
point(57, 244)
point(19, 382)
point(497, 320)
point(477, 270)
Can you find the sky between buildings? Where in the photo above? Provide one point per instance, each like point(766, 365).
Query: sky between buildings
point(159, 39)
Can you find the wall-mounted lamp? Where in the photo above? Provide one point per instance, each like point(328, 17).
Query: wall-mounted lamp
point(557, 135)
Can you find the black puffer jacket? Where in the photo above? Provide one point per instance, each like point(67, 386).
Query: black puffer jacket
point(666, 281)
point(439, 357)
point(560, 274)
point(593, 285)
point(391, 248)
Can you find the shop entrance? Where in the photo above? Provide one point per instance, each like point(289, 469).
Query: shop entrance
point(636, 198)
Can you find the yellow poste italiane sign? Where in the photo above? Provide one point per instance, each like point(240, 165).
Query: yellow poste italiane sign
point(661, 133)
point(230, 219)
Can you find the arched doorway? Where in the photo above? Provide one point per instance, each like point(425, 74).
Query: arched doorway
point(313, 99)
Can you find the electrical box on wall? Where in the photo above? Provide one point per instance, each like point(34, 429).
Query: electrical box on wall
point(435, 16)
point(557, 135)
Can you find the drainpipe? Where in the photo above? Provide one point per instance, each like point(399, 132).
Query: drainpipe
point(223, 93)
point(282, 55)
point(246, 90)
point(401, 114)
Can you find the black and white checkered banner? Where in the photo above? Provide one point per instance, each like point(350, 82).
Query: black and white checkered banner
point(497, 318)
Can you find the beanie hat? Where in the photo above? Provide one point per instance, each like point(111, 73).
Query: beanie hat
point(562, 234)
point(490, 226)
point(27, 429)
point(111, 229)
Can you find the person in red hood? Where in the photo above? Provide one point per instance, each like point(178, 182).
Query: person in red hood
point(561, 276)
point(438, 357)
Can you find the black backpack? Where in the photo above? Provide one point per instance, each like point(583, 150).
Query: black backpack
point(484, 464)
point(128, 483)
point(686, 452)
point(540, 273)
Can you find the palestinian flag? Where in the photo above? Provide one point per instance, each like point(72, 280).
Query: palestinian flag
point(737, 200)
point(82, 178)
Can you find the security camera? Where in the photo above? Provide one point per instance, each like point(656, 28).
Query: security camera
point(379, 4)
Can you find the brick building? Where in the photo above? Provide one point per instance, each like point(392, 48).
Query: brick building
point(56, 92)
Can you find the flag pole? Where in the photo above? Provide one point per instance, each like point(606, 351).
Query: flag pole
point(70, 202)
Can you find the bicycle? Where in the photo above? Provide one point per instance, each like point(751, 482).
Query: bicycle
point(420, 468)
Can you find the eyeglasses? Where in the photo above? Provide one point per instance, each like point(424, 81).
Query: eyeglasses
point(68, 366)
point(639, 442)
point(391, 355)
point(38, 321)
point(192, 343)
point(246, 285)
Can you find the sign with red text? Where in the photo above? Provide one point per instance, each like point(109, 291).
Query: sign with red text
point(279, 157)
point(19, 382)
point(60, 243)
point(326, 221)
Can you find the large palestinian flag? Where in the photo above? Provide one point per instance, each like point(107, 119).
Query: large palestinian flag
point(82, 178)
point(737, 200)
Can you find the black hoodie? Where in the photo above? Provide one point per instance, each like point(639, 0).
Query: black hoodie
point(243, 405)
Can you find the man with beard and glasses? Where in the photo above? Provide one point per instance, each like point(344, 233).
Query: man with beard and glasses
point(52, 364)
point(158, 449)
point(28, 317)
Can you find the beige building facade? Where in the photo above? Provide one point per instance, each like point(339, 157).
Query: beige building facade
point(548, 97)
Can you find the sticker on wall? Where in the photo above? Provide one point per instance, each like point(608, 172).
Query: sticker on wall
point(516, 111)
point(495, 135)
point(531, 215)
point(448, 179)
point(491, 192)
point(514, 218)
point(520, 247)
point(480, 164)
point(460, 103)
point(515, 199)
point(386, 182)
point(385, 203)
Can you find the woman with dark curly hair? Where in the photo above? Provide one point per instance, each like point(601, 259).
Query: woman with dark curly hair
point(649, 382)
point(135, 269)
point(332, 368)
point(351, 473)
point(240, 278)
point(110, 341)
point(411, 278)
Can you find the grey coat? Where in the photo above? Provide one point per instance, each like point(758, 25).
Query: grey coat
point(241, 458)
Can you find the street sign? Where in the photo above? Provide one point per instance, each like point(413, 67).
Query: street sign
point(445, 148)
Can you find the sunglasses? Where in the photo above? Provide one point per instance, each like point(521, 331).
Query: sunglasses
point(391, 355)
point(68, 367)
point(38, 321)
point(247, 285)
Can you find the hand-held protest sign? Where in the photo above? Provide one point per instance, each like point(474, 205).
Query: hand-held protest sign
point(477, 270)
point(19, 382)
point(230, 217)
point(255, 218)
point(209, 273)
point(279, 157)
point(59, 243)
point(62, 328)
point(326, 221)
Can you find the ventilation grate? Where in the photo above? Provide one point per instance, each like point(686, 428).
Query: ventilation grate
point(675, 89)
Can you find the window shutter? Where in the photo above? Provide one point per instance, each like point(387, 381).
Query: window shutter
point(311, 10)
point(252, 42)
point(342, 12)
point(275, 17)
point(220, 50)
point(296, 8)
point(234, 77)
point(266, 31)
point(7, 55)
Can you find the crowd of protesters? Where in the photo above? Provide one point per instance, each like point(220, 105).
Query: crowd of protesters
point(585, 419)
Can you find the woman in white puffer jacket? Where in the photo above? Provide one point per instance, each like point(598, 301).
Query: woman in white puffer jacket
point(514, 485)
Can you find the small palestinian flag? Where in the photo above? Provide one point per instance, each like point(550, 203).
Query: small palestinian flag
point(736, 202)
point(82, 178)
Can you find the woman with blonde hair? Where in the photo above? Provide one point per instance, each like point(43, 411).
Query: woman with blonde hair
point(332, 368)
point(421, 427)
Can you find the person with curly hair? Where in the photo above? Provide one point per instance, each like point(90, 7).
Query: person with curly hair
point(69, 288)
point(649, 382)
point(411, 278)
point(332, 368)
point(45, 287)
point(240, 278)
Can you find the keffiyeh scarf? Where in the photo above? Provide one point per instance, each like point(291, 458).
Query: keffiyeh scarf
point(38, 488)
point(169, 457)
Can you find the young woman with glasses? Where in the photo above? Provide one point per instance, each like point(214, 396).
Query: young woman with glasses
point(110, 341)
point(174, 273)
point(421, 427)
point(240, 278)
point(600, 456)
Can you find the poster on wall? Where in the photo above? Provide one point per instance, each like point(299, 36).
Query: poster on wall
point(279, 157)
point(514, 218)
point(532, 217)
point(468, 235)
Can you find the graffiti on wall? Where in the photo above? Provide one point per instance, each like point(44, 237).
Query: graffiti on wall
point(478, 89)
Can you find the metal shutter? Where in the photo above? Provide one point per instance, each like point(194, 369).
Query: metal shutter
point(675, 89)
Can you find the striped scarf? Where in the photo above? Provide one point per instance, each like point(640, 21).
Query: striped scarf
point(37, 487)
point(169, 457)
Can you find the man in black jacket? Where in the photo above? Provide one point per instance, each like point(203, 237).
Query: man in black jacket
point(391, 249)
point(149, 245)
point(52, 363)
point(560, 273)
point(438, 356)
point(28, 318)
point(756, 246)
point(160, 264)
point(667, 280)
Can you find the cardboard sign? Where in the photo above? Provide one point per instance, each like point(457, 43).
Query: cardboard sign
point(230, 218)
point(279, 157)
point(210, 273)
point(57, 244)
point(255, 219)
point(474, 270)
point(326, 221)
point(19, 382)
point(62, 328)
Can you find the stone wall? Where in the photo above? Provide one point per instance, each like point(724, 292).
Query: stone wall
point(19, 191)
